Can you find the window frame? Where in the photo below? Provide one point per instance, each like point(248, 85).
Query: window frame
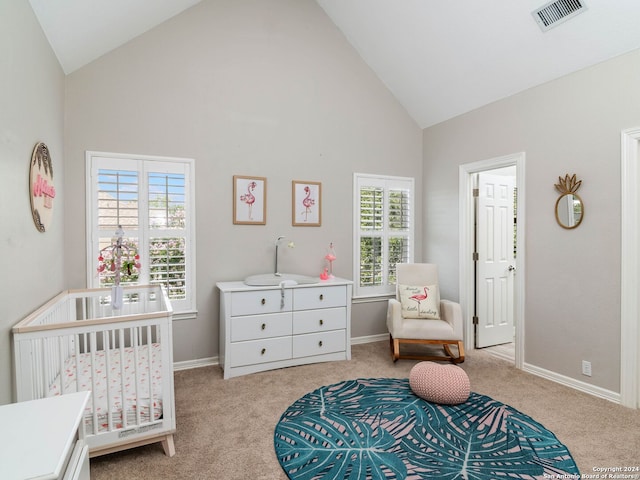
point(143, 164)
point(387, 183)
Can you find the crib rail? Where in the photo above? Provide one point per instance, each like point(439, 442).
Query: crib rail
point(77, 341)
point(93, 306)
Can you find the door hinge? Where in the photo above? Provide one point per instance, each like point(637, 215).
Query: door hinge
point(476, 257)
point(475, 320)
point(476, 192)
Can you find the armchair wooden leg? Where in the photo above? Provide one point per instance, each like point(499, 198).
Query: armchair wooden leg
point(460, 352)
point(455, 359)
point(395, 348)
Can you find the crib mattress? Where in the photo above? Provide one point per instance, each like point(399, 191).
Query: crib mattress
point(107, 387)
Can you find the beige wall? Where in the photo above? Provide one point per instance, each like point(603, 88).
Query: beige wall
point(571, 125)
point(278, 92)
point(31, 110)
point(244, 87)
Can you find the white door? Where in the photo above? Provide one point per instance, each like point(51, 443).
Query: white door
point(495, 266)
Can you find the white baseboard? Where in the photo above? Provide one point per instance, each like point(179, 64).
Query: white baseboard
point(369, 338)
point(197, 363)
point(540, 372)
point(573, 383)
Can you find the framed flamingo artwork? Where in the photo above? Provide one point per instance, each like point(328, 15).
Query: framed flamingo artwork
point(306, 204)
point(249, 200)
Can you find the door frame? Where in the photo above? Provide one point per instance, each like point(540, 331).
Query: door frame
point(630, 263)
point(466, 273)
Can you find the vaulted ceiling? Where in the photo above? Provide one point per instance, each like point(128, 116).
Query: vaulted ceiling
point(440, 58)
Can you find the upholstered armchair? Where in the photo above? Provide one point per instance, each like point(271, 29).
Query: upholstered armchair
point(418, 316)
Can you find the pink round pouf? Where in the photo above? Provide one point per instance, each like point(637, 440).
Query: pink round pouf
point(447, 384)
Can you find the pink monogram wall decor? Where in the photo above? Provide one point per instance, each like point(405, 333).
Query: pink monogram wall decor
point(41, 188)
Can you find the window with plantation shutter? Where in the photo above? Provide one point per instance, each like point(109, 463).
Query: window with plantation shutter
point(383, 209)
point(151, 198)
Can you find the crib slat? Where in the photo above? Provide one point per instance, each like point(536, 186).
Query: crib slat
point(77, 359)
point(43, 370)
point(150, 374)
point(84, 308)
point(125, 419)
point(94, 401)
point(61, 359)
point(107, 365)
point(136, 360)
point(39, 366)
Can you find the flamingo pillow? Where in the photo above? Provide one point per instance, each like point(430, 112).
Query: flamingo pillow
point(420, 301)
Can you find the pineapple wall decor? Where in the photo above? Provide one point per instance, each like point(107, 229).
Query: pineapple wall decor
point(569, 206)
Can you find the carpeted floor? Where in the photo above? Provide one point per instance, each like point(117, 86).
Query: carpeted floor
point(225, 427)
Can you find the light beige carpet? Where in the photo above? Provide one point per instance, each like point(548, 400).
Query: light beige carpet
point(225, 427)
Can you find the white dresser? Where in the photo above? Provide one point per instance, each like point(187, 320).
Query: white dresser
point(43, 439)
point(262, 328)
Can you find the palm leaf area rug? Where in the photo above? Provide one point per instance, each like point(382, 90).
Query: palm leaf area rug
point(379, 429)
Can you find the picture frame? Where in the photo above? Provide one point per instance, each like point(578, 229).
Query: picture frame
point(249, 200)
point(306, 203)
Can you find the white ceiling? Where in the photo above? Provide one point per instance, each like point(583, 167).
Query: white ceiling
point(80, 31)
point(440, 58)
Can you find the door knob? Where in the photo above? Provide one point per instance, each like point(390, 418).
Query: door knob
point(512, 268)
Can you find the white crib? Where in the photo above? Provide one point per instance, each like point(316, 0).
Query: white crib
point(77, 342)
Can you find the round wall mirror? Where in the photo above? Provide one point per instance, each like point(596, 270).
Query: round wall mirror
point(569, 206)
point(569, 210)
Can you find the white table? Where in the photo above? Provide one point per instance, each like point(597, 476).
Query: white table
point(42, 439)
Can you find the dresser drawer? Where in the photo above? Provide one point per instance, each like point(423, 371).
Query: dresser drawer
point(319, 343)
point(324, 319)
point(260, 301)
point(259, 351)
point(255, 327)
point(319, 297)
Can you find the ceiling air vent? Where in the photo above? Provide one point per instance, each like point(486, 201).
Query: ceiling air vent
point(554, 13)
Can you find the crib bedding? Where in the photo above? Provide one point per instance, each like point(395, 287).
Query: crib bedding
point(136, 397)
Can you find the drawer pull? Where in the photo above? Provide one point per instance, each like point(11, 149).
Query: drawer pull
point(320, 343)
point(264, 325)
point(321, 297)
point(264, 350)
point(321, 322)
point(263, 301)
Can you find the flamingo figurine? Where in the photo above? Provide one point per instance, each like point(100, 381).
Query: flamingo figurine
point(307, 202)
point(249, 198)
point(330, 257)
point(419, 297)
point(325, 274)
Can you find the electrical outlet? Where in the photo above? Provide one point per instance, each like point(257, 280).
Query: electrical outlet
point(586, 368)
